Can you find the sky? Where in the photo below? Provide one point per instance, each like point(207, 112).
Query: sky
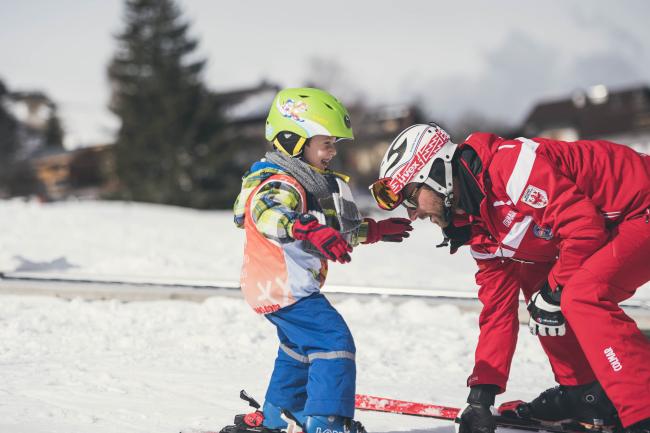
point(495, 59)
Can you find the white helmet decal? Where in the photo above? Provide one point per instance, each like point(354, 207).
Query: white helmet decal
point(411, 155)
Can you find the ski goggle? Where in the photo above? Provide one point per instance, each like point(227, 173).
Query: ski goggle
point(387, 199)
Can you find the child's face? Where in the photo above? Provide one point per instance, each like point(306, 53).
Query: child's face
point(319, 151)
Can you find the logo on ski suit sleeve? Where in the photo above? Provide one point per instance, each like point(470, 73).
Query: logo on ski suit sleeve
point(535, 197)
point(542, 232)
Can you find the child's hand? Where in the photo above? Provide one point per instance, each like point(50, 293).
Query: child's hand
point(388, 230)
point(328, 241)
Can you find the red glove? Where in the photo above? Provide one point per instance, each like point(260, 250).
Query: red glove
point(328, 241)
point(388, 230)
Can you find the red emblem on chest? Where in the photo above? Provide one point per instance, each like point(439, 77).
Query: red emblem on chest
point(534, 197)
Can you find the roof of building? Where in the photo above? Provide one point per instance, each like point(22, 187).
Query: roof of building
point(250, 104)
point(595, 113)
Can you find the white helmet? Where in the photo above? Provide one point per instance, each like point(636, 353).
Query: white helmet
point(421, 153)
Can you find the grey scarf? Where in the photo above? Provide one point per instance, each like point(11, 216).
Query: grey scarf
point(309, 178)
point(327, 191)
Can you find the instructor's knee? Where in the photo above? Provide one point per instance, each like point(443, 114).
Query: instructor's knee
point(578, 292)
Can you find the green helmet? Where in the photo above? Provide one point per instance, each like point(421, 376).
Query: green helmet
point(299, 114)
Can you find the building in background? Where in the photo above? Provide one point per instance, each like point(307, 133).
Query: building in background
point(245, 115)
point(37, 164)
point(374, 130)
point(38, 123)
point(85, 173)
point(622, 116)
point(89, 173)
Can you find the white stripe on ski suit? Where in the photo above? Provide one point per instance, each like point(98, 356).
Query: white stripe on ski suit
point(523, 167)
point(516, 183)
point(512, 239)
point(337, 354)
point(516, 234)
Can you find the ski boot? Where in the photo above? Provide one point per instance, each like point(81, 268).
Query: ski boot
point(333, 424)
point(583, 405)
point(271, 419)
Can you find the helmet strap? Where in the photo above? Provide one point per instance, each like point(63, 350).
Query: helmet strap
point(446, 191)
point(449, 199)
point(292, 145)
point(300, 145)
point(448, 211)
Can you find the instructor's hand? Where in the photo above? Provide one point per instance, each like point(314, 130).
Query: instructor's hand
point(476, 416)
point(546, 319)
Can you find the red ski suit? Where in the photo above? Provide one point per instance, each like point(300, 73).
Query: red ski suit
point(575, 214)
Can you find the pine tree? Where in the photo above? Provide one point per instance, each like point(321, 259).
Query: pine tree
point(8, 129)
point(8, 142)
point(54, 131)
point(168, 148)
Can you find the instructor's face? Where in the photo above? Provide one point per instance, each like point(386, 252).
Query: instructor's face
point(430, 205)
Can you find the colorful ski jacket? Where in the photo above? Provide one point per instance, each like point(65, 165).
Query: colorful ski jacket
point(544, 207)
point(277, 269)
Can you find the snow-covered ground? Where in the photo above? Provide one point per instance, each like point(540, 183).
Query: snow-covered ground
point(108, 366)
point(108, 239)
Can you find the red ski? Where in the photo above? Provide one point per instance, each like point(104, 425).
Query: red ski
point(381, 404)
point(506, 418)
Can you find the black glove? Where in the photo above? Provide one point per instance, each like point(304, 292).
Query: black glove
point(545, 316)
point(476, 416)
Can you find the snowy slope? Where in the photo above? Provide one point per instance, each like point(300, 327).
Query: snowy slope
point(108, 366)
point(112, 239)
point(161, 366)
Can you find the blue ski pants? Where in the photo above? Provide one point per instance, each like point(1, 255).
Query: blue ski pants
point(315, 370)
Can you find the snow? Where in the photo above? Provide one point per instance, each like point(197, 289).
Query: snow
point(141, 240)
point(163, 366)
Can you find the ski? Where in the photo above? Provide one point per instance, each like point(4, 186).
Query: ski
point(506, 419)
point(381, 404)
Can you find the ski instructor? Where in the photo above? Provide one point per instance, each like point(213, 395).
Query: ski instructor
point(568, 224)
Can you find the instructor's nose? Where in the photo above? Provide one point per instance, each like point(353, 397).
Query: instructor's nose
point(412, 213)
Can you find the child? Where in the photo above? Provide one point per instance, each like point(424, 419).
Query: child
point(298, 214)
